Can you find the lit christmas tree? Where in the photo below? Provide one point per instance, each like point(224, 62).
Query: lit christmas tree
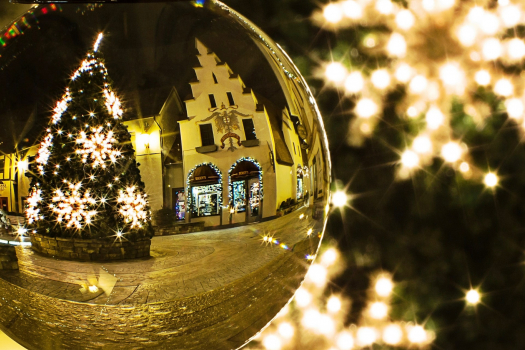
point(87, 183)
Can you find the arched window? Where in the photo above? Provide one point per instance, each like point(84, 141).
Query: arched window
point(246, 186)
point(205, 190)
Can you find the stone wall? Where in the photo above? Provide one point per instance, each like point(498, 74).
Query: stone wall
point(179, 228)
point(90, 249)
point(8, 259)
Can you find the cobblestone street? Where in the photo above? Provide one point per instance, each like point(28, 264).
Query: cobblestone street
point(205, 290)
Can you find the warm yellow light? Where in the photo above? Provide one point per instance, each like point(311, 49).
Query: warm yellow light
point(345, 341)
point(272, 342)
point(467, 35)
point(309, 232)
point(418, 84)
point(422, 144)
point(392, 334)
point(412, 112)
point(397, 45)
point(450, 73)
point(490, 180)
point(326, 325)
point(352, 9)
point(475, 15)
point(378, 310)
point(384, 7)
point(302, 297)
point(515, 108)
point(491, 49)
point(405, 19)
point(329, 257)
point(451, 152)
point(23, 165)
point(482, 77)
point(366, 108)
point(464, 167)
point(504, 87)
point(384, 286)
point(429, 5)
point(93, 289)
point(333, 305)
point(143, 140)
point(286, 330)
point(339, 199)
point(366, 336)
point(21, 231)
point(490, 24)
point(380, 78)
point(403, 73)
point(434, 118)
point(317, 274)
point(355, 82)
point(409, 159)
point(510, 15)
point(310, 319)
point(332, 13)
point(417, 335)
point(473, 297)
point(516, 49)
point(335, 72)
point(446, 4)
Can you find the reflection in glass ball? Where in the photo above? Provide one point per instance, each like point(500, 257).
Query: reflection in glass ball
point(165, 182)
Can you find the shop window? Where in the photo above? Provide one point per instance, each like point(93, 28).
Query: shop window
point(230, 98)
point(206, 199)
point(300, 188)
point(207, 134)
point(213, 104)
point(239, 195)
point(255, 198)
point(249, 129)
point(179, 202)
point(214, 79)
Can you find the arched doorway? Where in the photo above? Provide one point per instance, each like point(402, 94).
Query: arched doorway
point(204, 191)
point(246, 188)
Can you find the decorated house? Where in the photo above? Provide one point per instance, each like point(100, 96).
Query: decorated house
point(238, 153)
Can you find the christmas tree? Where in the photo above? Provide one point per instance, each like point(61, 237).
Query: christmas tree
point(87, 183)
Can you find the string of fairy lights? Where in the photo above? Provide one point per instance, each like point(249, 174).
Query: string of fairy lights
point(75, 205)
point(440, 52)
point(314, 319)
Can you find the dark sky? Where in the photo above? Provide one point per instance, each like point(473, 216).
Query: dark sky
point(147, 48)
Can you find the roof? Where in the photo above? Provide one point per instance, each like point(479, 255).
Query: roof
point(282, 153)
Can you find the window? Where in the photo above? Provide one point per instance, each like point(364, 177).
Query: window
point(212, 101)
point(230, 98)
point(2, 166)
point(249, 129)
point(239, 195)
point(214, 78)
point(206, 200)
point(207, 134)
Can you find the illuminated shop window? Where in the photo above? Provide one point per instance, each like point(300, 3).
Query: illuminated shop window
point(206, 200)
point(205, 189)
point(239, 195)
point(255, 198)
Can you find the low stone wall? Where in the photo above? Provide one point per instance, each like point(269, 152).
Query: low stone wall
point(90, 249)
point(8, 259)
point(177, 229)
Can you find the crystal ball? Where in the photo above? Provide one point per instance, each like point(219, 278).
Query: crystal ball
point(164, 177)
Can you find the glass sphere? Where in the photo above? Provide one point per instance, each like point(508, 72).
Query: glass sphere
point(165, 177)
